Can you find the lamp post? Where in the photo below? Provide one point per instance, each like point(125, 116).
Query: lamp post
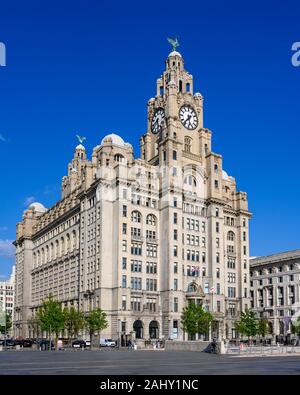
point(119, 333)
point(88, 294)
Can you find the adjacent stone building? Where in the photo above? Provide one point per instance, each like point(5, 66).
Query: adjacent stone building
point(275, 289)
point(142, 237)
point(7, 289)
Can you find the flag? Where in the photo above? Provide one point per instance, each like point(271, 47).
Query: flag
point(212, 289)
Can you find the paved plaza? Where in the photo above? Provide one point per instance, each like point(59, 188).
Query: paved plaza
point(127, 362)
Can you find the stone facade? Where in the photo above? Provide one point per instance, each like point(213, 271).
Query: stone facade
point(141, 237)
point(275, 289)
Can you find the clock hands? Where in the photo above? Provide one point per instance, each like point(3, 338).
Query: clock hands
point(187, 121)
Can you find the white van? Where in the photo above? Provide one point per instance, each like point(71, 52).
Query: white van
point(107, 343)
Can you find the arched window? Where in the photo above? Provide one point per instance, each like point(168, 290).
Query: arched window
point(68, 243)
point(192, 288)
point(230, 236)
point(51, 251)
point(43, 256)
point(62, 246)
point(153, 330)
point(74, 240)
point(38, 258)
point(34, 259)
point(151, 219)
point(138, 329)
point(47, 254)
point(56, 248)
point(180, 86)
point(119, 158)
point(136, 216)
point(187, 144)
point(190, 180)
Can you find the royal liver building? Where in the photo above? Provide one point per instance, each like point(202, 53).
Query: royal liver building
point(142, 237)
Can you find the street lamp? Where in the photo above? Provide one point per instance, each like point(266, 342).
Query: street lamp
point(88, 294)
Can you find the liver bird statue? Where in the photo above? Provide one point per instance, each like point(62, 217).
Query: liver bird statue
point(81, 139)
point(173, 42)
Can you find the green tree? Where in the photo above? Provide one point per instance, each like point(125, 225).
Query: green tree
point(8, 324)
point(296, 327)
point(95, 320)
point(74, 321)
point(194, 319)
point(51, 317)
point(248, 324)
point(263, 327)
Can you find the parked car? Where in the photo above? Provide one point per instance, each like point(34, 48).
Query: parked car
point(27, 343)
point(9, 343)
point(107, 343)
point(78, 344)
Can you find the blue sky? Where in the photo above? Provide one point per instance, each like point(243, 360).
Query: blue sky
point(89, 67)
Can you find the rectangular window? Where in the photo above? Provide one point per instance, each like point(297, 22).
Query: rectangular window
point(218, 289)
point(174, 202)
point(217, 227)
point(124, 211)
point(136, 283)
point(217, 257)
point(124, 281)
point(175, 234)
point(175, 284)
point(206, 288)
point(217, 211)
point(218, 273)
point(124, 263)
point(175, 305)
point(217, 242)
point(175, 218)
point(151, 250)
point(124, 245)
point(175, 267)
point(175, 251)
point(231, 292)
point(123, 302)
point(174, 155)
point(136, 248)
point(124, 229)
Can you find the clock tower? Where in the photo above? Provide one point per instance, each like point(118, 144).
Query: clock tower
point(175, 117)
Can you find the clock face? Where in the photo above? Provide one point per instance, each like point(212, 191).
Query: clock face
point(188, 117)
point(158, 120)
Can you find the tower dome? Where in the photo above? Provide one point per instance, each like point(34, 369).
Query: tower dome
point(114, 139)
point(37, 207)
point(174, 53)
